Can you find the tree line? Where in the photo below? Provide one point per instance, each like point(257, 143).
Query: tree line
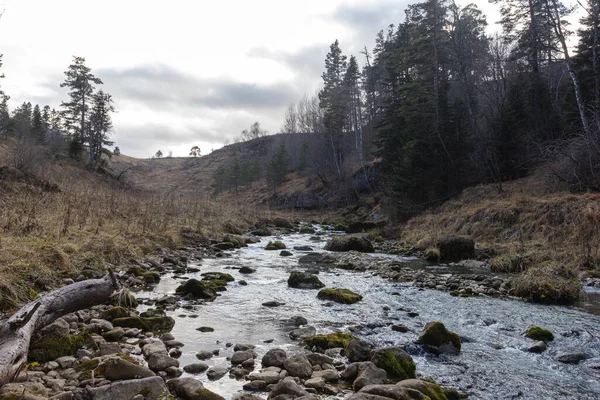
point(439, 105)
point(82, 124)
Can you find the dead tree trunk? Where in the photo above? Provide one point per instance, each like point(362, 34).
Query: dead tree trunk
point(16, 332)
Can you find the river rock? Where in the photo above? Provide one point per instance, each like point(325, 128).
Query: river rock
point(299, 366)
point(156, 347)
point(348, 243)
point(216, 373)
point(301, 280)
point(257, 385)
point(363, 374)
point(58, 329)
point(195, 368)
point(358, 350)
point(274, 358)
point(427, 388)
point(315, 383)
point(197, 289)
point(191, 389)
point(395, 361)
point(116, 369)
point(160, 362)
point(240, 356)
point(456, 248)
point(246, 396)
point(296, 321)
point(328, 375)
point(246, 270)
point(318, 359)
point(99, 326)
point(204, 355)
point(67, 362)
point(273, 304)
point(316, 258)
point(288, 387)
point(303, 248)
point(342, 296)
point(572, 357)
point(267, 376)
point(537, 347)
point(114, 335)
point(437, 339)
point(153, 388)
point(303, 333)
point(149, 324)
point(105, 349)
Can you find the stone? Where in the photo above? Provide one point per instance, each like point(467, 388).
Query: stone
point(537, 347)
point(241, 346)
point(153, 388)
point(106, 349)
point(318, 359)
point(358, 350)
point(197, 289)
point(116, 369)
point(363, 374)
point(204, 355)
point(339, 295)
point(572, 357)
point(66, 362)
point(246, 270)
point(301, 280)
point(328, 375)
point(99, 326)
point(303, 248)
point(273, 304)
point(148, 324)
point(395, 361)
point(216, 373)
point(315, 383)
point(286, 253)
point(348, 243)
point(297, 320)
point(299, 366)
point(256, 386)
point(114, 335)
point(537, 333)
point(400, 328)
point(173, 343)
point(246, 396)
point(275, 358)
point(303, 333)
point(240, 356)
point(191, 389)
point(287, 387)
point(205, 329)
point(160, 362)
point(269, 377)
point(156, 347)
point(437, 339)
point(195, 368)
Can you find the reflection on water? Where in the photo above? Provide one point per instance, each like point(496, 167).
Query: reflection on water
point(492, 364)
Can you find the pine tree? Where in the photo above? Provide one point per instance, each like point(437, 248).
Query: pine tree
point(279, 166)
point(80, 81)
point(100, 125)
point(38, 129)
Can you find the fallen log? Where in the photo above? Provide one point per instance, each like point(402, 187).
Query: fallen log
point(16, 332)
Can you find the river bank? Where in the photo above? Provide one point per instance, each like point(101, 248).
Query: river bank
point(397, 304)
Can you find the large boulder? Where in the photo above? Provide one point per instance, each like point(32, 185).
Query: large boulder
point(197, 289)
point(303, 333)
point(348, 243)
point(429, 389)
point(301, 280)
point(160, 362)
point(288, 387)
point(437, 339)
point(154, 324)
point(395, 361)
point(316, 258)
point(240, 356)
point(454, 249)
point(274, 358)
point(299, 366)
point(191, 389)
point(343, 296)
point(329, 341)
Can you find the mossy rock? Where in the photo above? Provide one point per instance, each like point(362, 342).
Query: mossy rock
point(151, 277)
point(115, 312)
point(263, 231)
point(437, 339)
point(343, 296)
point(429, 389)
point(243, 283)
point(50, 349)
point(216, 284)
point(330, 341)
point(283, 223)
point(550, 283)
point(537, 333)
point(197, 289)
point(236, 240)
point(307, 229)
point(432, 255)
point(339, 226)
point(224, 246)
point(301, 280)
point(396, 362)
point(136, 271)
point(452, 394)
point(153, 312)
point(88, 365)
point(276, 245)
point(218, 276)
point(205, 394)
point(348, 243)
point(150, 324)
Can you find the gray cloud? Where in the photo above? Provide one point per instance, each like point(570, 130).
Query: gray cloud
point(307, 63)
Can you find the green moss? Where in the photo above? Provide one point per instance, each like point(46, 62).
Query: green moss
point(216, 284)
point(343, 296)
point(196, 289)
point(398, 369)
point(208, 276)
point(136, 271)
point(115, 312)
point(307, 229)
point(236, 241)
point(151, 277)
point(339, 226)
point(537, 333)
point(330, 341)
point(88, 365)
point(154, 324)
point(431, 390)
point(276, 245)
point(432, 255)
point(301, 280)
point(436, 335)
point(451, 394)
point(205, 394)
point(243, 283)
point(51, 349)
point(348, 243)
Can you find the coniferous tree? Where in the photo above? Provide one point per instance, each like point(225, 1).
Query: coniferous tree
point(279, 166)
point(80, 81)
point(100, 125)
point(38, 130)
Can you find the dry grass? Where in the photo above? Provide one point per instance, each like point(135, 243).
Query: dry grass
point(530, 224)
point(92, 221)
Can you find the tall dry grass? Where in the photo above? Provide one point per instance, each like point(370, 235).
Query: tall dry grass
point(85, 219)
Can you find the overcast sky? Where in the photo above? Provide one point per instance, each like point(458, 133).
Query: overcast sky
point(182, 72)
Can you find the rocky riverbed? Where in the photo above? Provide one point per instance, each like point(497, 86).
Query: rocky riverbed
point(241, 328)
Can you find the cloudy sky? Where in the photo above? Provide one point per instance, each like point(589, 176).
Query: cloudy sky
point(182, 72)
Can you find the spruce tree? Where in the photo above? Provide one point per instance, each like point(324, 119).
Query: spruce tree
point(38, 129)
point(100, 125)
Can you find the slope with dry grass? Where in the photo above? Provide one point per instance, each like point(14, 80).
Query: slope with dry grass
point(533, 225)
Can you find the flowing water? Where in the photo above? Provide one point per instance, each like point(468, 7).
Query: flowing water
point(491, 365)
